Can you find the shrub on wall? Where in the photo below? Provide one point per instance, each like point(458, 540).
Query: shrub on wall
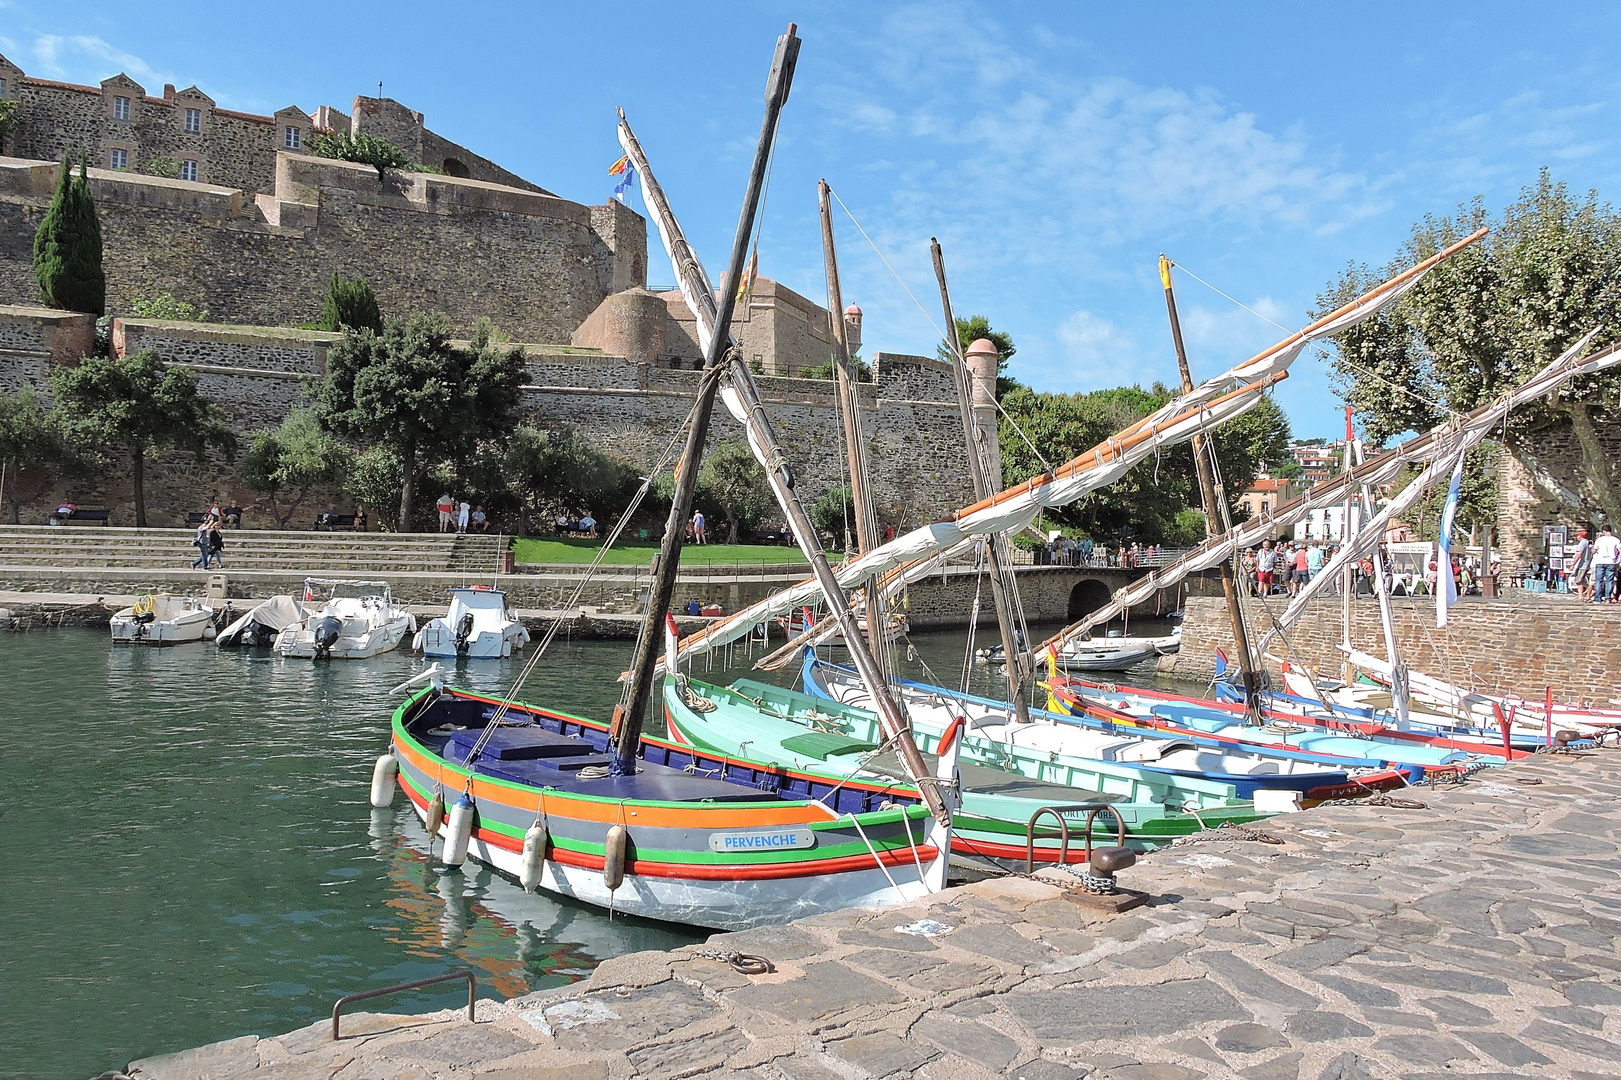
point(165, 306)
point(350, 303)
point(67, 247)
point(166, 167)
point(10, 121)
point(380, 154)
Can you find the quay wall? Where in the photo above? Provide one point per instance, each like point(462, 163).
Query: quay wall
point(1521, 646)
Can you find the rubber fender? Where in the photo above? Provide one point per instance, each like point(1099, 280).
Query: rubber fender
point(382, 781)
point(535, 842)
point(459, 833)
point(436, 815)
point(613, 857)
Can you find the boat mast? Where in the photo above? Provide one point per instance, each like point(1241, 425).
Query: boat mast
point(866, 528)
point(1214, 502)
point(629, 714)
point(743, 400)
point(1004, 586)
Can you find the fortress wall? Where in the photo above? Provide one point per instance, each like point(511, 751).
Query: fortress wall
point(534, 264)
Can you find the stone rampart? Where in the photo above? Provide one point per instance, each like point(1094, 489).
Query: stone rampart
point(534, 264)
point(1520, 646)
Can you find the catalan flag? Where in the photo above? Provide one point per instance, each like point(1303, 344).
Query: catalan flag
point(627, 176)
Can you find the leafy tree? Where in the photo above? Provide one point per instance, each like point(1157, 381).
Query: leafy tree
point(377, 477)
point(160, 165)
point(834, 514)
point(1487, 319)
point(733, 483)
point(139, 405)
point(862, 370)
point(11, 121)
point(1477, 494)
point(971, 330)
point(67, 247)
point(553, 472)
point(380, 154)
point(413, 392)
point(1147, 502)
point(165, 306)
point(27, 438)
point(1289, 470)
point(290, 460)
point(350, 304)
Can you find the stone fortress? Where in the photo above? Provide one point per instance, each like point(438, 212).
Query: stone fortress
point(255, 226)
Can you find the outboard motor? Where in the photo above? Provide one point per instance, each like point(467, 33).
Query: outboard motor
point(326, 635)
point(464, 630)
point(259, 635)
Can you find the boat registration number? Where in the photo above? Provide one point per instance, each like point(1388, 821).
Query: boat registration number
point(762, 840)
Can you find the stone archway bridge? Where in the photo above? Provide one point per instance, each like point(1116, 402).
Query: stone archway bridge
point(1049, 594)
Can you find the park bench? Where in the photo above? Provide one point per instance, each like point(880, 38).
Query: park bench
point(332, 522)
point(86, 515)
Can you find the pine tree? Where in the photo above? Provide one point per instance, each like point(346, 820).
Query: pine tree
point(350, 302)
point(67, 247)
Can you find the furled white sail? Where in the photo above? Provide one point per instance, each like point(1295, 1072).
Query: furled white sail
point(1207, 406)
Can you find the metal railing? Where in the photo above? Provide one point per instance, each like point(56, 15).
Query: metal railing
point(472, 987)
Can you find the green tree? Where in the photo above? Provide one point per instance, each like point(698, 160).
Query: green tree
point(551, 472)
point(160, 165)
point(732, 482)
point(67, 247)
point(380, 154)
point(1147, 503)
point(165, 306)
point(292, 459)
point(27, 439)
point(1486, 320)
point(11, 121)
point(350, 304)
point(834, 514)
point(970, 330)
point(1477, 494)
point(413, 392)
point(377, 477)
point(139, 405)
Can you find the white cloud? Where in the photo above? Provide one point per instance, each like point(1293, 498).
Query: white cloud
point(1095, 353)
point(83, 58)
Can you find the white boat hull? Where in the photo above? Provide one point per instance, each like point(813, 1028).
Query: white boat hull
point(298, 642)
point(174, 625)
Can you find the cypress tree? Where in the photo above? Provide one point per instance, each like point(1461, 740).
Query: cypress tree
point(350, 302)
point(67, 247)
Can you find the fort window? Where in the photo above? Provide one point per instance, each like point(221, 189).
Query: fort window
point(293, 138)
point(194, 120)
point(188, 170)
point(120, 159)
point(120, 109)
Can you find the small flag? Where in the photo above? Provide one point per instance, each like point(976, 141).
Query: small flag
point(1446, 589)
point(627, 176)
point(746, 286)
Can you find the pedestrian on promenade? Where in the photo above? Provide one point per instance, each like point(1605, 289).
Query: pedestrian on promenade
point(216, 545)
point(462, 512)
point(200, 542)
point(1606, 553)
point(1314, 560)
point(1246, 567)
point(1581, 561)
point(1266, 564)
point(698, 527)
point(447, 512)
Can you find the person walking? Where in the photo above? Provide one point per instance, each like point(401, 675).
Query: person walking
point(1606, 554)
point(698, 527)
point(447, 512)
point(216, 545)
point(462, 512)
point(200, 542)
point(1581, 562)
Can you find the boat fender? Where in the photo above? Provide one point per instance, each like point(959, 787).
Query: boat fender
point(209, 633)
point(436, 815)
point(459, 833)
point(613, 857)
point(382, 781)
point(534, 856)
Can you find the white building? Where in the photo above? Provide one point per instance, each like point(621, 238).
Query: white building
point(1327, 523)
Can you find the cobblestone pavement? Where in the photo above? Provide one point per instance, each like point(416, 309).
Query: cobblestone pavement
point(1480, 937)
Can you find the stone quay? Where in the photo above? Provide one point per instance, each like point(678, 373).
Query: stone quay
point(1477, 936)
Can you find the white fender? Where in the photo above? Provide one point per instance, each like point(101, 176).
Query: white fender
point(436, 815)
point(534, 856)
point(948, 750)
point(459, 833)
point(382, 780)
point(613, 857)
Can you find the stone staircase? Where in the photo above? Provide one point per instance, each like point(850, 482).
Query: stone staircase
point(344, 554)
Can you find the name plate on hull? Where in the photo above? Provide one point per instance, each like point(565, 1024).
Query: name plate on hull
point(761, 840)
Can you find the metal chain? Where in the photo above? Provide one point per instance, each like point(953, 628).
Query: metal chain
point(742, 963)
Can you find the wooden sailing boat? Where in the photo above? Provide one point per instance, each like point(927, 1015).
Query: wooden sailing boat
point(600, 813)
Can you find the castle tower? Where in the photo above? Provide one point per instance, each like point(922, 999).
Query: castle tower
point(852, 328)
point(982, 359)
point(633, 325)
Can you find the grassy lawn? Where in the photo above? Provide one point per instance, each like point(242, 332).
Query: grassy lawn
point(640, 554)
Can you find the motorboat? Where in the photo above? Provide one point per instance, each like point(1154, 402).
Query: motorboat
point(348, 620)
point(1115, 652)
point(263, 623)
point(161, 619)
point(478, 626)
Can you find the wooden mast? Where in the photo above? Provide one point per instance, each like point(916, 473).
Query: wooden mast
point(1004, 586)
point(629, 714)
point(849, 402)
point(1214, 499)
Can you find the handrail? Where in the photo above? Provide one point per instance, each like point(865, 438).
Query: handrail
point(472, 986)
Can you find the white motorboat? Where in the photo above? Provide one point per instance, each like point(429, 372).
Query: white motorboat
point(1112, 653)
point(353, 620)
point(263, 623)
point(161, 619)
point(477, 626)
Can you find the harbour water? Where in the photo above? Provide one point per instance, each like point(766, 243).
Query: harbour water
point(189, 854)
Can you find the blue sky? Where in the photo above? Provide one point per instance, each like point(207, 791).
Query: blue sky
point(1055, 149)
